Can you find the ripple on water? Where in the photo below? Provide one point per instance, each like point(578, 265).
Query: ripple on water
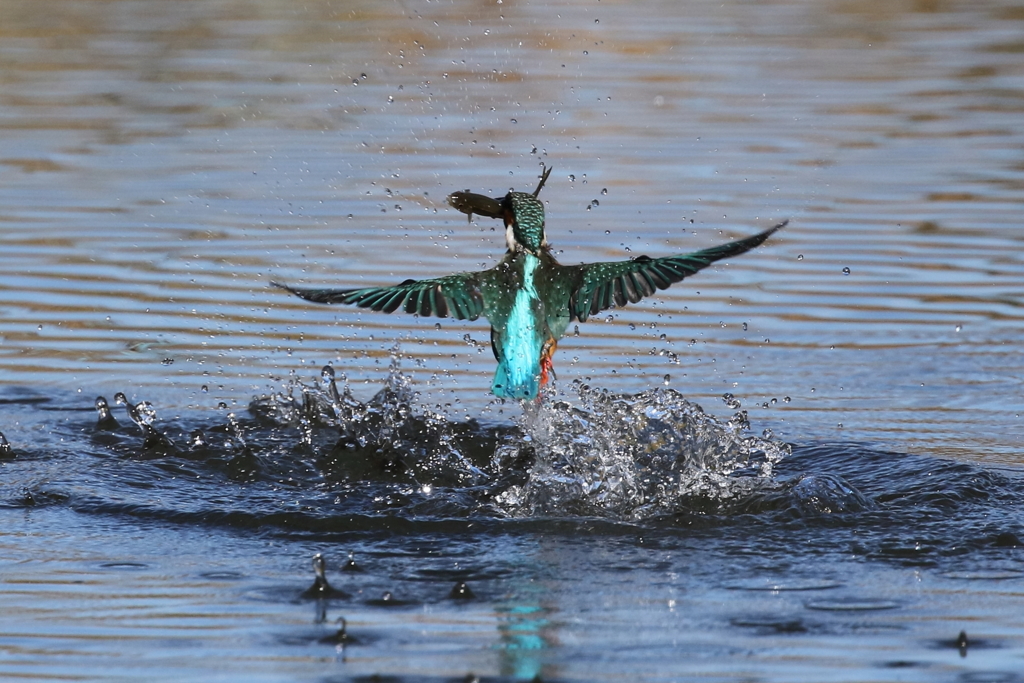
point(127, 566)
point(783, 585)
point(223, 576)
point(989, 677)
point(854, 604)
point(772, 624)
point(983, 575)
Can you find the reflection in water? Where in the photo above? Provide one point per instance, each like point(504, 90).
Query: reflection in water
point(523, 639)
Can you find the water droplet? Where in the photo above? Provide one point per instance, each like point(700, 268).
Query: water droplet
point(320, 588)
point(350, 564)
point(604, 191)
point(341, 636)
point(632, 326)
point(106, 420)
point(667, 379)
point(513, 121)
point(576, 331)
point(461, 592)
point(437, 326)
point(204, 389)
point(846, 270)
point(799, 257)
point(197, 439)
point(959, 327)
point(787, 399)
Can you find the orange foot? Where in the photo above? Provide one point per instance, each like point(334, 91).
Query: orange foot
point(547, 368)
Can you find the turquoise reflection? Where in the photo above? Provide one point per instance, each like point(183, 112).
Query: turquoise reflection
point(522, 641)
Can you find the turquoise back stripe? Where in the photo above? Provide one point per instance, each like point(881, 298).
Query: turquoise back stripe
point(518, 373)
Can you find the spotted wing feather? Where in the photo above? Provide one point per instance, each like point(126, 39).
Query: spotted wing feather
point(458, 296)
point(618, 283)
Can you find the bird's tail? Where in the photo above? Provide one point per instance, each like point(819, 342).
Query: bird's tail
point(517, 377)
point(522, 375)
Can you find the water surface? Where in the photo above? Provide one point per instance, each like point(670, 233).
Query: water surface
point(160, 163)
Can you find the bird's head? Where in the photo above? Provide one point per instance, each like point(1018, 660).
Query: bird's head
point(524, 222)
point(522, 212)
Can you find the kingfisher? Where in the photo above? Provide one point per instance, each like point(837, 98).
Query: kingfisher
point(529, 298)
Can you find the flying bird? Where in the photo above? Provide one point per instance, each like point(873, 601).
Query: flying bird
point(529, 298)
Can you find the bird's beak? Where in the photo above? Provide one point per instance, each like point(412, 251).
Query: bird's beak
point(471, 203)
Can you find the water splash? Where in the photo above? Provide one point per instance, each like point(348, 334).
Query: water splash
point(582, 452)
point(144, 415)
point(633, 456)
point(384, 436)
point(106, 420)
point(321, 588)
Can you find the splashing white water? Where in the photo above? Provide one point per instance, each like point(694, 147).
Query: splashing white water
point(632, 456)
point(584, 451)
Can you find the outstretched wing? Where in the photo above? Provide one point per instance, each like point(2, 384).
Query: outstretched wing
point(456, 295)
point(604, 284)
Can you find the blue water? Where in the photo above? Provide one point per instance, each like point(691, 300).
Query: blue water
point(802, 464)
point(602, 536)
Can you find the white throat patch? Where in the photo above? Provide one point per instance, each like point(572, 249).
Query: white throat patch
point(510, 238)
